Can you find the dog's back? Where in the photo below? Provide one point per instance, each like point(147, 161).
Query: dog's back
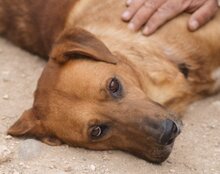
point(33, 25)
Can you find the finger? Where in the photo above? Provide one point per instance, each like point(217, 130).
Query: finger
point(144, 13)
point(203, 15)
point(132, 9)
point(166, 12)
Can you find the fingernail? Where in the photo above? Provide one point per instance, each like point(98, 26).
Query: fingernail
point(131, 26)
point(194, 25)
point(146, 31)
point(128, 2)
point(126, 15)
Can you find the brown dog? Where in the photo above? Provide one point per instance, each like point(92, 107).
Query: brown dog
point(105, 87)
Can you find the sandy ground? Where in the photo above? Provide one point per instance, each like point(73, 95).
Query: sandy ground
point(197, 150)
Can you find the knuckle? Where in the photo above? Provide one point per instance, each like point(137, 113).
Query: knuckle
point(153, 23)
point(139, 19)
point(137, 3)
point(214, 4)
point(205, 17)
point(186, 4)
point(168, 6)
point(208, 15)
point(150, 4)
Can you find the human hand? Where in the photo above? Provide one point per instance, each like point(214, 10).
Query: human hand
point(154, 13)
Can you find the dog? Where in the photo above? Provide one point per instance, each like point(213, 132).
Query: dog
point(105, 87)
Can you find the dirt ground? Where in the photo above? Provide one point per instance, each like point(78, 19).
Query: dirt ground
point(197, 150)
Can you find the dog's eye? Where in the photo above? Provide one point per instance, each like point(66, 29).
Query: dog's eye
point(115, 87)
point(184, 69)
point(98, 131)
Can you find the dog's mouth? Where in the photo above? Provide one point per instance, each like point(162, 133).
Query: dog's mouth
point(158, 154)
point(170, 142)
point(161, 153)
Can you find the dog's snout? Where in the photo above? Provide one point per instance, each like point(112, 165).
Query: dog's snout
point(170, 132)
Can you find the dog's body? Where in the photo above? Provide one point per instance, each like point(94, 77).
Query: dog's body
point(159, 56)
point(172, 68)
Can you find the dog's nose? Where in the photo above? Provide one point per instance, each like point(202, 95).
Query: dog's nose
point(171, 131)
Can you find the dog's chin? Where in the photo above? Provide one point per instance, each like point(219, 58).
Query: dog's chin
point(162, 154)
point(158, 155)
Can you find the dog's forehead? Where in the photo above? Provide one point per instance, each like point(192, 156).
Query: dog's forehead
point(84, 78)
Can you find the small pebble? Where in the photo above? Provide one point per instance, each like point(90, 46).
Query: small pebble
point(5, 154)
point(52, 167)
point(172, 171)
point(168, 161)
point(6, 97)
point(216, 103)
point(21, 164)
point(5, 72)
point(16, 172)
point(5, 79)
point(93, 167)
point(23, 75)
point(8, 137)
point(106, 170)
point(68, 169)
point(66, 162)
point(4, 117)
point(110, 152)
point(212, 126)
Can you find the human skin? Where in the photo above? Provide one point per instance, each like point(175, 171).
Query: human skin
point(152, 14)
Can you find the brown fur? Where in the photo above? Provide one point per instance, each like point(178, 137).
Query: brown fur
point(30, 29)
point(88, 45)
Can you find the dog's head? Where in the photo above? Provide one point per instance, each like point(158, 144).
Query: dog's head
point(88, 97)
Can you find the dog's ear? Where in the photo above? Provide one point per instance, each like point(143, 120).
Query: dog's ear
point(79, 43)
point(24, 125)
point(28, 125)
